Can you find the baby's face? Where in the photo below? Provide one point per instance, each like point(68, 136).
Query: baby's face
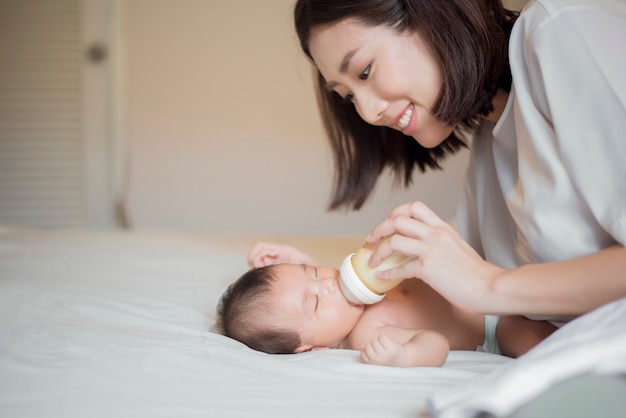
point(308, 300)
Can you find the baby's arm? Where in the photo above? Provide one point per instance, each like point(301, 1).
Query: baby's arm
point(401, 347)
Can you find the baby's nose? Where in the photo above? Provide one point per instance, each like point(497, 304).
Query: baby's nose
point(331, 285)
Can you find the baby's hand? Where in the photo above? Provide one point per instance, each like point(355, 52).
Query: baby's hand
point(266, 253)
point(384, 351)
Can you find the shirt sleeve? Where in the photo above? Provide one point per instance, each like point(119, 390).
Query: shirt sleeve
point(579, 55)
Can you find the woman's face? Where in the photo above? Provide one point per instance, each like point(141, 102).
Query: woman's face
point(393, 79)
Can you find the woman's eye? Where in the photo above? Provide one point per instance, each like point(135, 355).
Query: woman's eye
point(317, 302)
point(316, 273)
point(366, 73)
point(349, 98)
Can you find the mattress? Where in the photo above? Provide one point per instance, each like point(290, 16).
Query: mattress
point(119, 324)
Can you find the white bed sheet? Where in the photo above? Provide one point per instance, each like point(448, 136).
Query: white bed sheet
point(116, 324)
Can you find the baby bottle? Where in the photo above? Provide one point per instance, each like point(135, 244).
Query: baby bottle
point(357, 280)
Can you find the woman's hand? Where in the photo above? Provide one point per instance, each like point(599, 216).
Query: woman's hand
point(440, 256)
point(266, 253)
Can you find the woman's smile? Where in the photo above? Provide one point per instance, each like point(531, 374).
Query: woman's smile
point(379, 67)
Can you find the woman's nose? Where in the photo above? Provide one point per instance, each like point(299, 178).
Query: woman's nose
point(370, 107)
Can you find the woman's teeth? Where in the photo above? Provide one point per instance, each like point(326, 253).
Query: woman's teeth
point(406, 118)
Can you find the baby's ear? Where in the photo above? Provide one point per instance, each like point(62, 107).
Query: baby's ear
point(307, 347)
point(319, 348)
point(303, 348)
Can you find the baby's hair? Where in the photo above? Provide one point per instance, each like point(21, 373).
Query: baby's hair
point(243, 314)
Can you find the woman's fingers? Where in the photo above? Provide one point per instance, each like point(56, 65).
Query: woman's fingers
point(417, 211)
point(409, 244)
point(414, 221)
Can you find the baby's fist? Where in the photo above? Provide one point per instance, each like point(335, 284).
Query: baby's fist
point(384, 351)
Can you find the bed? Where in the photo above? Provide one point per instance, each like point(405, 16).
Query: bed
point(119, 324)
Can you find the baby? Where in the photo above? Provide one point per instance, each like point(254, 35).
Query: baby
point(291, 308)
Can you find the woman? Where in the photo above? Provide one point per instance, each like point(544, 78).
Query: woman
point(403, 83)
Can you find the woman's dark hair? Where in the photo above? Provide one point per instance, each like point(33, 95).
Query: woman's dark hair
point(469, 38)
point(240, 314)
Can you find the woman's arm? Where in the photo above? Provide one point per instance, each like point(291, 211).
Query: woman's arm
point(450, 266)
point(570, 287)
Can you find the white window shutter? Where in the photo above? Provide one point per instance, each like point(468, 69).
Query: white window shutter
point(44, 169)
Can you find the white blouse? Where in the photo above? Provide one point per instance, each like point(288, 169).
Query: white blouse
point(548, 182)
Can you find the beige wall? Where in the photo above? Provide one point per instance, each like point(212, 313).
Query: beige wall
point(223, 128)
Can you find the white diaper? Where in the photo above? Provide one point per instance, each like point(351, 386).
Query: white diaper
point(491, 342)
